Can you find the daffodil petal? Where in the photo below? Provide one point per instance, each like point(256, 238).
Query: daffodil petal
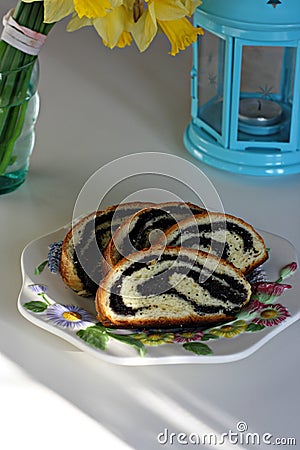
point(55, 10)
point(92, 9)
point(145, 29)
point(75, 23)
point(116, 3)
point(124, 40)
point(180, 33)
point(111, 27)
point(169, 9)
point(191, 5)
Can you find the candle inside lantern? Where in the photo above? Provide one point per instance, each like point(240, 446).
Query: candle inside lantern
point(259, 112)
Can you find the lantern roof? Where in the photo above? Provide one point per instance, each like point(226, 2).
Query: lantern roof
point(279, 18)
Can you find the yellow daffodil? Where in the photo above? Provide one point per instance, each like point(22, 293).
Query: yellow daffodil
point(180, 33)
point(113, 28)
point(92, 9)
point(75, 23)
point(191, 5)
point(170, 16)
point(118, 21)
point(56, 10)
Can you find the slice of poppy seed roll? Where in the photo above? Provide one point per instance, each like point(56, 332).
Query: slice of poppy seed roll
point(83, 247)
point(175, 288)
point(145, 227)
point(223, 235)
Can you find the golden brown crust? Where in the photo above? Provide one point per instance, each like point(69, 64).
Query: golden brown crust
point(110, 254)
point(67, 271)
point(165, 323)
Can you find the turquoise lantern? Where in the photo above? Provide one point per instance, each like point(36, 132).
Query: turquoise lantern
point(245, 87)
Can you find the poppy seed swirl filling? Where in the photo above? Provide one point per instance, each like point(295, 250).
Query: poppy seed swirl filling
point(196, 234)
point(230, 238)
point(226, 294)
point(91, 242)
point(155, 219)
point(146, 227)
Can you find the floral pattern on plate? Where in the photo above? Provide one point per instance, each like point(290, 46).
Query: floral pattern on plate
point(262, 311)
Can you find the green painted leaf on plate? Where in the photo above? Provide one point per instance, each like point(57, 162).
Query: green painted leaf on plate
point(208, 336)
point(36, 306)
point(252, 327)
point(198, 348)
point(129, 340)
point(39, 269)
point(94, 336)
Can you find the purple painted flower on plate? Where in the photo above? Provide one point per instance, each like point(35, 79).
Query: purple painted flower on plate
point(38, 288)
point(69, 316)
point(54, 256)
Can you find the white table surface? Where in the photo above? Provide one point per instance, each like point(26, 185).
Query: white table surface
point(98, 105)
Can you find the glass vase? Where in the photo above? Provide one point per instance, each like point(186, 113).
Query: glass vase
point(19, 108)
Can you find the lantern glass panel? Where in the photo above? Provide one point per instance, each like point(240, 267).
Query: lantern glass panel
point(211, 80)
point(261, 70)
point(266, 93)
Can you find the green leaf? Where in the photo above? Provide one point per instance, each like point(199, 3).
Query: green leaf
point(101, 327)
point(129, 340)
point(198, 348)
point(94, 336)
point(39, 269)
point(252, 327)
point(208, 336)
point(36, 306)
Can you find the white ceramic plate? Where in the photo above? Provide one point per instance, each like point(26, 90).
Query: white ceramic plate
point(236, 340)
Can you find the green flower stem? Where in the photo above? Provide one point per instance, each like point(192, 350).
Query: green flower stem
point(15, 124)
point(13, 59)
point(12, 116)
point(44, 297)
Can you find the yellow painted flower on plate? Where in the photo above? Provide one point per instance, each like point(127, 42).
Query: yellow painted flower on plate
point(230, 330)
point(154, 339)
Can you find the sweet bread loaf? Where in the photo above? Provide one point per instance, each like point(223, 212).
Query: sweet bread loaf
point(144, 228)
point(83, 247)
point(224, 235)
point(174, 288)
